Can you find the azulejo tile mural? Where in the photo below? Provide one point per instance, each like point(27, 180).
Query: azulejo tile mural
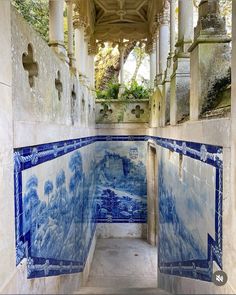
point(54, 205)
point(58, 188)
point(121, 190)
point(62, 189)
point(190, 208)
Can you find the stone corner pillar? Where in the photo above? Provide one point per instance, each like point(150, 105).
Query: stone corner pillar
point(210, 59)
point(180, 78)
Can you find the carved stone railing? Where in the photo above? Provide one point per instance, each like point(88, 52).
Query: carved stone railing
point(45, 89)
point(122, 111)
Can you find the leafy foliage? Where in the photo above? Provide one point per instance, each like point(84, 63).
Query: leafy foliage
point(111, 92)
point(132, 91)
point(36, 13)
point(136, 91)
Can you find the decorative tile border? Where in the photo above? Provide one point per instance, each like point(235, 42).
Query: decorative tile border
point(27, 157)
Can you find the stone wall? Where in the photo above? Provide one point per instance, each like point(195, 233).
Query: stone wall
point(44, 88)
point(39, 107)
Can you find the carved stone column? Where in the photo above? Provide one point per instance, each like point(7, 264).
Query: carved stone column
point(70, 50)
point(180, 78)
point(172, 27)
point(79, 22)
point(164, 33)
point(92, 50)
point(56, 27)
point(157, 57)
point(185, 25)
point(153, 64)
point(165, 112)
point(210, 59)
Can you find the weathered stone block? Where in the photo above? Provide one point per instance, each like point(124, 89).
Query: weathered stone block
point(210, 73)
point(180, 90)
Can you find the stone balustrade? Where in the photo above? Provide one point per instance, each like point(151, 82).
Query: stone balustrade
point(122, 111)
point(45, 87)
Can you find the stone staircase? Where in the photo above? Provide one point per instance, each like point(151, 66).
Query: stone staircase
point(119, 291)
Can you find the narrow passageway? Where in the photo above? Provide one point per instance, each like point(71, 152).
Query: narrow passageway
point(123, 266)
point(118, 147)
point(126, 263)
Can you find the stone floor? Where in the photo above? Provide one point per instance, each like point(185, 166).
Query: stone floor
point(123, 263)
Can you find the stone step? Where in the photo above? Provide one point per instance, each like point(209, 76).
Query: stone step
point(120, 291)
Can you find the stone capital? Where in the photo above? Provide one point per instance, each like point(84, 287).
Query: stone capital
point(79, 18)
point(150, 45)
point(164, 17)
point(92, 46)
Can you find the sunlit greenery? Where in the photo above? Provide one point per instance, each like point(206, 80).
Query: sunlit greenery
point(111, 91)
point(136, 91)
point(132, 91)
point(36, 13)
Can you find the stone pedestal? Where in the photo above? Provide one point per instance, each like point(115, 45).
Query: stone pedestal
point(180, 90)
point(155, 107)
point(180, 78)
point(210, 59)
point(166, 94)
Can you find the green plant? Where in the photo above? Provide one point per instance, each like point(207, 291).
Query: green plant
point(101, 94)
point(36, 13)
point(111, 92)
point(132, 91)
point(136, 91)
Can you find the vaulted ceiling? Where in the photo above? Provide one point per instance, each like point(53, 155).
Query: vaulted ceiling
point(113, 20)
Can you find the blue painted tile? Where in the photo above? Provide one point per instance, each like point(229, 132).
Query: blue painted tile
point(130, 208)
